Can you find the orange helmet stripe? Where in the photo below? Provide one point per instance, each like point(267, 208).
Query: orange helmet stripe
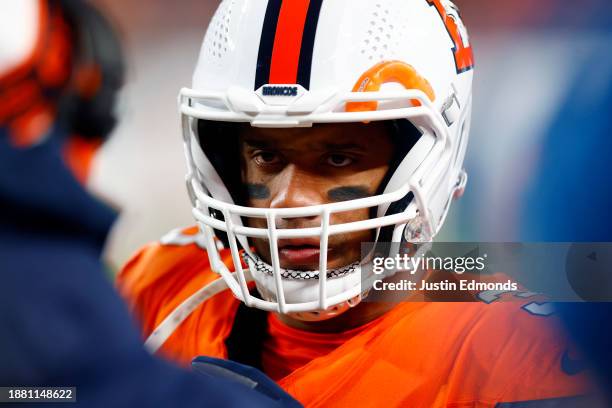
point(287, 42)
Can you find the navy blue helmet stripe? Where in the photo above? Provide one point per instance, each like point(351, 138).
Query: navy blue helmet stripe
point(308, 41)
point(266, 45)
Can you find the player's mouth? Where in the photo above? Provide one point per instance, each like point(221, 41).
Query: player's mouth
point(300, 254)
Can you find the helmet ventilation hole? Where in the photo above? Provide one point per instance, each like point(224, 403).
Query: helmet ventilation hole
point(218, 38)
point(376, 43)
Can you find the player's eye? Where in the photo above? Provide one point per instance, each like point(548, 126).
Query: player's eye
point(266, 158)
point(339, 160)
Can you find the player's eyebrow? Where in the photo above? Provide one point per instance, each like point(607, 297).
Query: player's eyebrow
point(258, 143)
point(343, 146)
point(325, 146)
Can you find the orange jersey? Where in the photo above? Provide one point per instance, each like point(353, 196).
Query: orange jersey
point(287, 349)
point(417, 355)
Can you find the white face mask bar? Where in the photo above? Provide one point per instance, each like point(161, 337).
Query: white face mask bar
point(272, 235)
point(238, 105)
point(422, 183)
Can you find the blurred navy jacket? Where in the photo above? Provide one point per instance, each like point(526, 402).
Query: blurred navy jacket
point(61, 322)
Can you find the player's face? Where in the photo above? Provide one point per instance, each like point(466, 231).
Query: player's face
point(300, 167)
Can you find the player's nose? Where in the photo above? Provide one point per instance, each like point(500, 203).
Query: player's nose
point(296, 188)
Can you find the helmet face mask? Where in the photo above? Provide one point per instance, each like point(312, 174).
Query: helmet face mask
point(414, 82)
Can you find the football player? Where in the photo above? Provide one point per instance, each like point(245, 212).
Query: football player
point(313, 126)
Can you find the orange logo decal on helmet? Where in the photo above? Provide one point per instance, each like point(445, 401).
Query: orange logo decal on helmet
point(462, 51)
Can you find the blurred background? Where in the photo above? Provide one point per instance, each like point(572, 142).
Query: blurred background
point(540, 141)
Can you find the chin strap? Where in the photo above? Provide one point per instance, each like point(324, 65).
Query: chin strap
point(162, 332)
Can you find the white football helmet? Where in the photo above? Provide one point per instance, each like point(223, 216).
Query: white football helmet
point(289, 63)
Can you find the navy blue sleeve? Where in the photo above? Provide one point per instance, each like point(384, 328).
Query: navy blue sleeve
point(62, 324)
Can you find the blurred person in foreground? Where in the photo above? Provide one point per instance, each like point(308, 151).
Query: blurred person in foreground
point(291, 168)
point(61, 322)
